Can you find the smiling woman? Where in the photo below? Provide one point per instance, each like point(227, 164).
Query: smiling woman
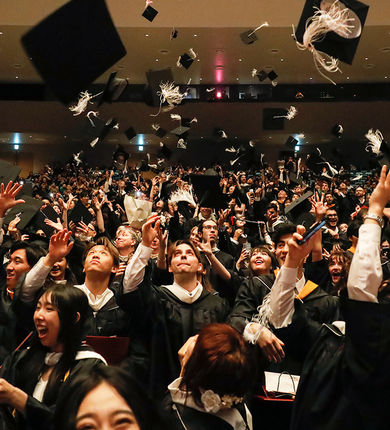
point(31, 380)
point(106, 398)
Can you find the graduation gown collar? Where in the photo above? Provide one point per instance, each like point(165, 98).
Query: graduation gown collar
point(231, 415)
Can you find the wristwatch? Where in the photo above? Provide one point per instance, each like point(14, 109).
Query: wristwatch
point(376, 218)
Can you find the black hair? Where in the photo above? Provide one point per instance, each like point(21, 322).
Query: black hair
point(353, 228)
point(281, 230)
point(33, 252)
point(70, 399)
point(73, 309)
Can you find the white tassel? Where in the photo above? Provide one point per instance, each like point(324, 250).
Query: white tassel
point(92, 113)
point(94, 142)
point(178, 64)
point(155, 126)
point(265, 24)
point(332, 170)
point(322, 22)
point(223, 135)
point(264, 312)
point(231, 149)
point(85, 98)
point(194, 119)
point(233, 162)
point(291, 113)
point(181, 144)
point(116, 126)
point(77, 158)
point(171, 94)
point(299, 166)
point(175, 116)
point(274, 83)
point(374, 141)
point(210, 90)
point(254, 73)
point(181, 195)
point(252, 143)
point(189, 81)
point(192, 53)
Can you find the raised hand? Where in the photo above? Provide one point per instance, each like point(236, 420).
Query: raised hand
point(296, 252)
point(381, 194)
point(58, 247)
point(223, 214)
point(150, 232)
point(319, 206)
point(56, 225)
point(8, 196)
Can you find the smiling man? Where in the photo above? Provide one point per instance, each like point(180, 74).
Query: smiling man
point(163, 318)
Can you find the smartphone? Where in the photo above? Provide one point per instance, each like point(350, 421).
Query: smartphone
point(311, 232)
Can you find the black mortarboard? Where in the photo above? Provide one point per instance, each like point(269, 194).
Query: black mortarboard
point(332, 44)
point(248, 37)
point(8, 172)
point(149, 13)
point(45, 213)
point(130, 133)
point(299, 207)
point(27, 189)
point(164, 151)
point(63, 52)
point(208, 191)
point(160, 132)
point(272, 75)
point(315, 162)
point(180, 131)
point(174, 33)
point(272, 118)
point(291, 142)
point(262, 75)
point(155, 78)
point(108, 126)
point(119, 150)
point(337, 130)
point(185, 60)
point(143, 166)
point(113, 89)
point(294, 180)
point(80, 213)
point(26, 210)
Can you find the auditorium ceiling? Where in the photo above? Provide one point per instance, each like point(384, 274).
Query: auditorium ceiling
point(212, 29)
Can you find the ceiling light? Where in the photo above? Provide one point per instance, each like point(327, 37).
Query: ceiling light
point(347, 77)
point(240, 59)
point(195, 35)
point(17, 77)
point(156, 59)
point(282, 59)
point(237, 79)
point(310, 78)
point(146, 35)
point(200, 79)
point(1, 33)
point(366, 58)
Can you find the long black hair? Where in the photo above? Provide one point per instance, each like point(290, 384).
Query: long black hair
point(68, 404)
point(73, 309)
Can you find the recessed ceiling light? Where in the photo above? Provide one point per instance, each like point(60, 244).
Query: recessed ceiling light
point(366, 58)
point(240, 59)
point(237, 79)
point(385, 77)
point(198, 59)
point(195, 35)
point(146, 35)
point(282, 59)
point(156, 59)
point(347, 77)
point(17, 77)
point(200, 79)
point(1, 33)
point(310, 78)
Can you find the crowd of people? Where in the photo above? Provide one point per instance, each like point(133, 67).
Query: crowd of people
point(212, 286)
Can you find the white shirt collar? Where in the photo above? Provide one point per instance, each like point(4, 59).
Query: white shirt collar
point(184, 295)
point(96, 302)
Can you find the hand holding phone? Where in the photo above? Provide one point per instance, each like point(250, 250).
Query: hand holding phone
point(311, 232)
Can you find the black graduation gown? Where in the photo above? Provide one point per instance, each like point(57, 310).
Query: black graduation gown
point(160, 325)
point(249, 297)
point(38, 415)
point(345, 381)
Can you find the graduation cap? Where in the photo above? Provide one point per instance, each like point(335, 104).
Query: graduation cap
point(174, 33)
point(27, 189)
point(208, 191)
point(164, 151)
point(272, 75)
point(291, 142)
point(341, 45)
point(119, 150)
point(73, 46)
point(262, 75)
point(299, 207)
point(46, 212)
point(185, 60)
point(113, 89)
point(159, 131)
point(26, 211)
point(150, 13)
point(80, 213)
point(104, 132)
point(315, 161)
point(378, 146)
point(154, 79)
point(180, 131)
point(130, 133)
point(181, 144)
point(248, 37)
point(294, 179)
point(143, 166)
point(8, 172)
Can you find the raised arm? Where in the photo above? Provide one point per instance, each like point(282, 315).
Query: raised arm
point(135, 270)
point(7, 201)
point(365, 275)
